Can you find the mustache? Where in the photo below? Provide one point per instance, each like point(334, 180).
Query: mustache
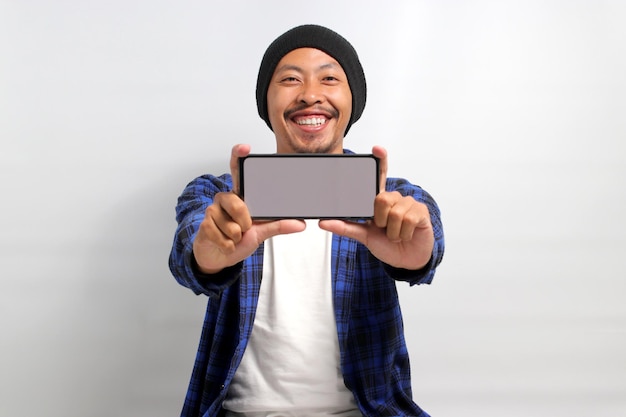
point(303, 106)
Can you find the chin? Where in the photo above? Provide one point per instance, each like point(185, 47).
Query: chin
point(316, 145)
point(316, 148)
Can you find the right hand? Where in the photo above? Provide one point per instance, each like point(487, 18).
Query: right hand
point(227, 235)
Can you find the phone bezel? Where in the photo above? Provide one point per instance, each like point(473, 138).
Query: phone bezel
point(242, 185)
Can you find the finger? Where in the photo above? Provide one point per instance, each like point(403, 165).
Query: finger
point(228, 229)
point(221, 231)
point(381, 153)
point(383, 203)
point(210, 233)
point(416, 216)
point(357, 231)
point(407, 229)
point(229, 207)
point(238, 151)
point(401, 220)
point(265, 230)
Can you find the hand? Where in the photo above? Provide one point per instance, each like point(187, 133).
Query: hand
point(400, 234)
point(227, 235)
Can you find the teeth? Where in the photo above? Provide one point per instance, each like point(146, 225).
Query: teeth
point(311, 121)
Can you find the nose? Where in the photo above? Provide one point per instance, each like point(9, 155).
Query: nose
point(311, 93)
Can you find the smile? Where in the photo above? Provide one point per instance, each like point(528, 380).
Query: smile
point(311, 121)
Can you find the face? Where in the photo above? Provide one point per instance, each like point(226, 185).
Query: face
point(309, 103)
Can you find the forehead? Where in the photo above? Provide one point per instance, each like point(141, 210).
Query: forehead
point(307, 58)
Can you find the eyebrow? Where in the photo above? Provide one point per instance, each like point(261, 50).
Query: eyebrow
point(291, 67)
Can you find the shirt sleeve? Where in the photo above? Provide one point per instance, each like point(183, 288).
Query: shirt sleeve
point(190, 211)
point(426, 274)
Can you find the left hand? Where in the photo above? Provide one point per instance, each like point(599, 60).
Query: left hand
point(400, 234)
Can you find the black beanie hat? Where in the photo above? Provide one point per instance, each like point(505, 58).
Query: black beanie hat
point(326, 40)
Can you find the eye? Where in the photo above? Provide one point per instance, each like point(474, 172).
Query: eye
point(289, 80)
point(330, 80)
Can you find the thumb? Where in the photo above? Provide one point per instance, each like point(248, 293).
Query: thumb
point(238, 151)
point(265, 230)
point(357, 231)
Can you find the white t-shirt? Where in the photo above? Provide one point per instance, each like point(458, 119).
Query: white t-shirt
point(291, 365)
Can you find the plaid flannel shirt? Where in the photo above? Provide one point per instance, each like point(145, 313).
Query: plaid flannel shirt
point(374, 356)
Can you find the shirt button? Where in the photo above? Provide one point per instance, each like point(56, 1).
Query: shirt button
point(222, 387)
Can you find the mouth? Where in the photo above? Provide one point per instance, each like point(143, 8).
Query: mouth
point(310, 121)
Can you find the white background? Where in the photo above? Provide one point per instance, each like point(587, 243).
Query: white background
point(511, 113)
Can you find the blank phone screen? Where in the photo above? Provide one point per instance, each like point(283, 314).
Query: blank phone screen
point(309, 186)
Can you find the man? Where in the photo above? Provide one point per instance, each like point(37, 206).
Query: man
point(303, 316)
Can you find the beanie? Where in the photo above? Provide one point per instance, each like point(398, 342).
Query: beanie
point(327, 41)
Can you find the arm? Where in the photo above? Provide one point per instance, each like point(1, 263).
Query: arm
point(406, 232)
point(190, 211)
point(425, 274)
point(215, 232)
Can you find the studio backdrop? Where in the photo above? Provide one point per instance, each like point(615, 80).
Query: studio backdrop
point(510, 113)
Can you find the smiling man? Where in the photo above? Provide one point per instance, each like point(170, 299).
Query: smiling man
point(303, 317)
point(309, 103)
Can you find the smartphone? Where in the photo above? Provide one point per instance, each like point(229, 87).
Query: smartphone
point(309, 186)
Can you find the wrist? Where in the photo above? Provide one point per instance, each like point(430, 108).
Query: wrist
point(199, 269)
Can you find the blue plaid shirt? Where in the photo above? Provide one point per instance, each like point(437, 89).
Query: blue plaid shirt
point(374, 357)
